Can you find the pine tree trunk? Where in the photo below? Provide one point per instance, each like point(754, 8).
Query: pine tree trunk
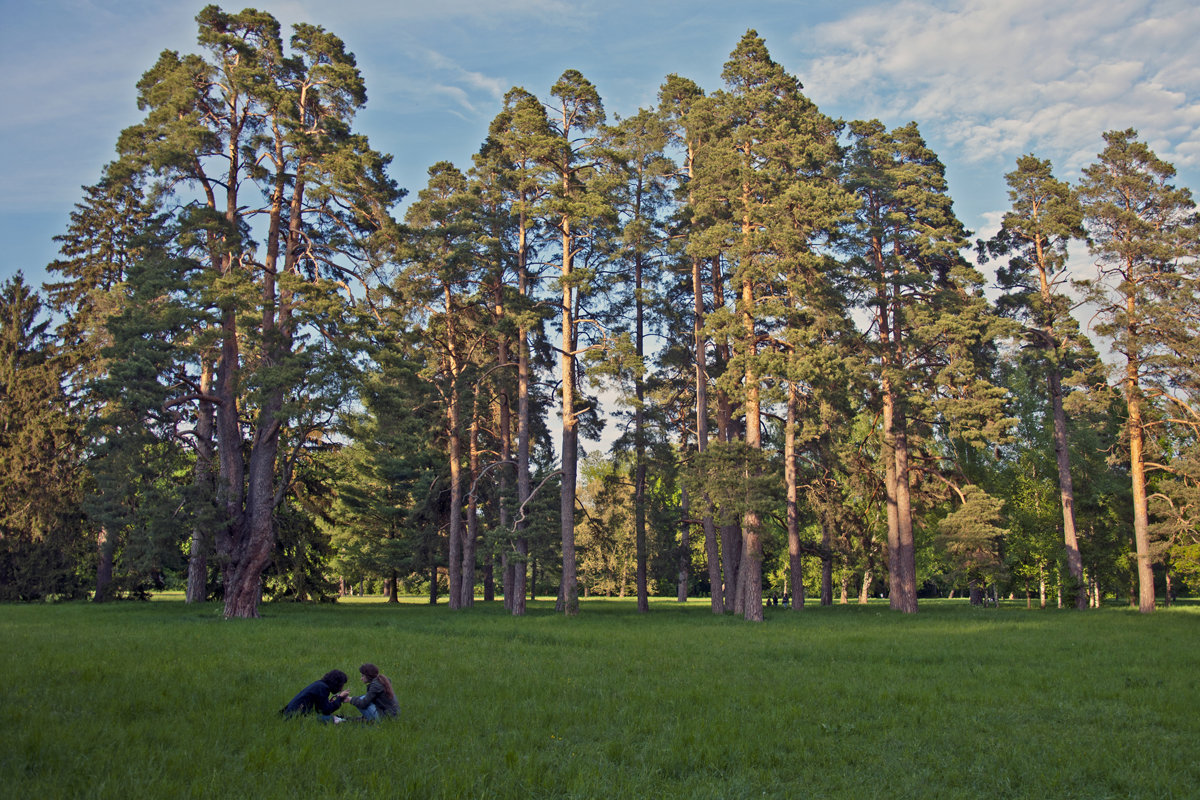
point(639, 444)
point(1062, 451)
point(257, 537)
point(197, 579)
point(197, 583)
point(105, 545)
point(907, 545)
point(507, 568)
point(569, 589)
point(731, 534)
point(750, 570)
point(826, 563)
point(457, 533)
point(795, 563)
point(711, 548)
point(1066, 487)
point(524, 480)
point(888, 454)
point(685, 547)
point(471, 537)
point(1141, 522)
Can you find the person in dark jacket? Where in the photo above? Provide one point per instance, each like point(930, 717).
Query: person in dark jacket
point(322, 697)
point(380, 701)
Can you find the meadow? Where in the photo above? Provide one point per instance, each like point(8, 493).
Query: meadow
point(162, 699)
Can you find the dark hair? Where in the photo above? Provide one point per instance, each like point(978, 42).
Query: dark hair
point(371, 672)
point(335, 679)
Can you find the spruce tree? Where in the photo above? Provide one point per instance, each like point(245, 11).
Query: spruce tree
point(42, 545)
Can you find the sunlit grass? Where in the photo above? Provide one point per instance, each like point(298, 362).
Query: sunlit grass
point(168, 700)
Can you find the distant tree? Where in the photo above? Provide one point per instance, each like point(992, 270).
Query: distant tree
point(1143, 232)
point(973, 538)
point(42, 545)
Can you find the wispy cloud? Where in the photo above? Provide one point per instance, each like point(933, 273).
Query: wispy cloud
point(995, 79)
point(469, 81)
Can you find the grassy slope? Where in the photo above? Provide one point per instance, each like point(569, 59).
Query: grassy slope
point(167, 700)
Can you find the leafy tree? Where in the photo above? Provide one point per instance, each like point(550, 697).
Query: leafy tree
point(689, 129)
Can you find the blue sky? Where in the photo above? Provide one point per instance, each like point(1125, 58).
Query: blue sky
point(987, 80)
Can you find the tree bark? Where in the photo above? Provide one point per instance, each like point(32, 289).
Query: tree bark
point(1062, 450)
point(202, 480)
point(826, 563)
point(1066, 488)
point(471, 537)
point(457, 529)
point(750, 570)
point(907, 546)
point(1141, 514)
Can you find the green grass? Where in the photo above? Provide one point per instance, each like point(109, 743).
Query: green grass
point(167, 700)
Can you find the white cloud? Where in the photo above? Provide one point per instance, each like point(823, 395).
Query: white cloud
point(996, 79)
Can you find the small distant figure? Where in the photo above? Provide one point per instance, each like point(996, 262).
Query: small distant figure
point(380, 700)
point(321, 697)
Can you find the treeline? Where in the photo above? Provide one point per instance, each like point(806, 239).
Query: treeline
point(260, 380)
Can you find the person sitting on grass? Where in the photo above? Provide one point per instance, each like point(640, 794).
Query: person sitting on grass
point(380, 701)
point(321, 697)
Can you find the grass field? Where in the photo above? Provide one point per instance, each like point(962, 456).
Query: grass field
point(166, 700)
